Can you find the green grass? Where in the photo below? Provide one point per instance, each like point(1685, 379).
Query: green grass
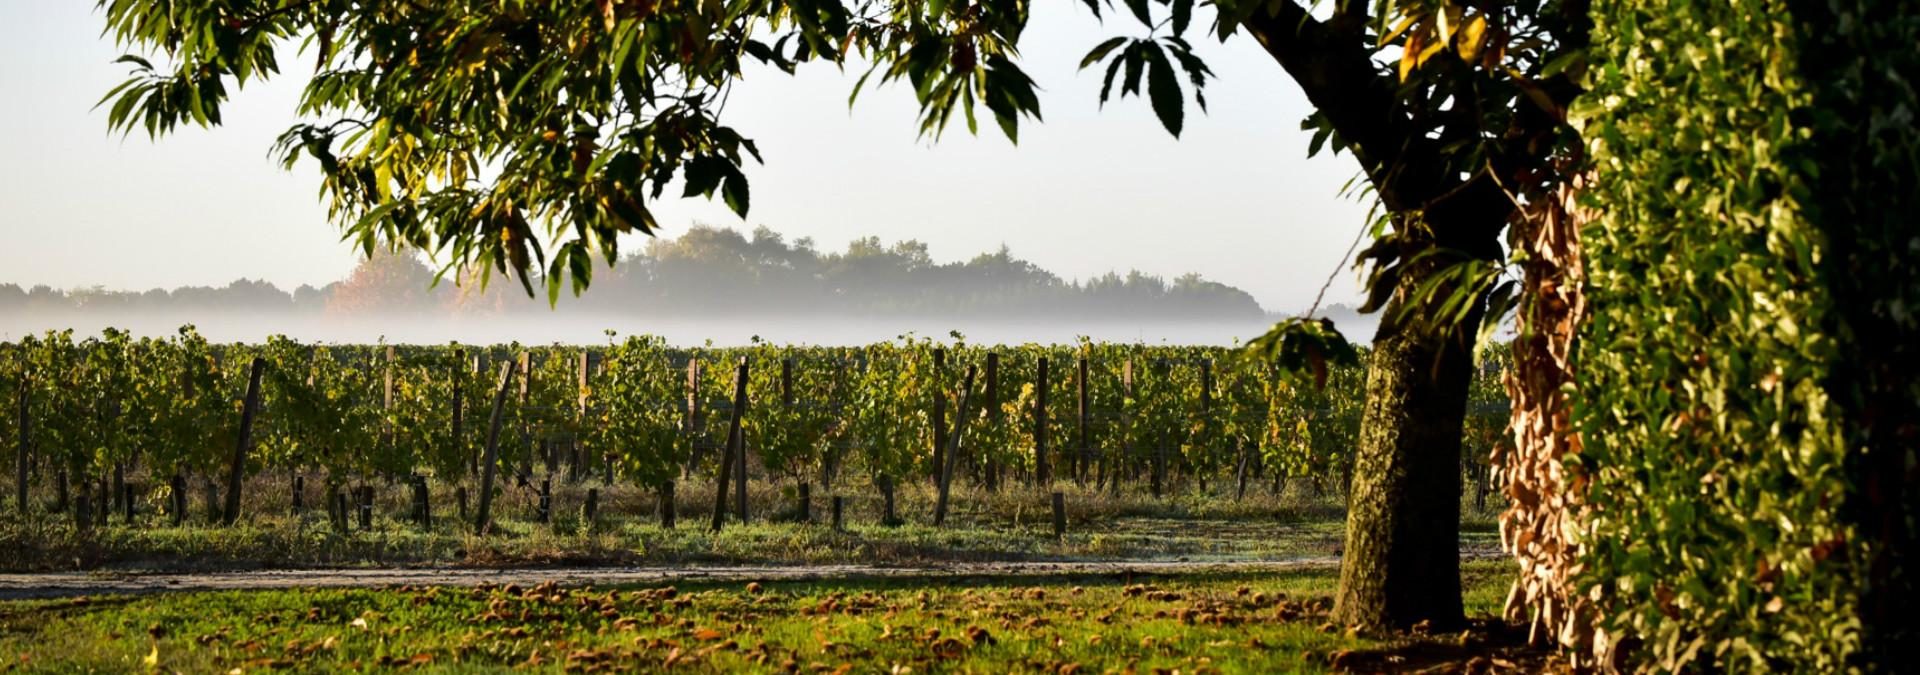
point(1267, 622)
point(1012, 525)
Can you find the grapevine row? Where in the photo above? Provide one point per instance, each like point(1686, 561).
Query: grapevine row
point(97, 414)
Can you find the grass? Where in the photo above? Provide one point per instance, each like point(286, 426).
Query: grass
point(1010, 525)
point(1267, 622)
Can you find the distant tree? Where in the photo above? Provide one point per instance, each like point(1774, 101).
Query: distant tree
point(385, 284)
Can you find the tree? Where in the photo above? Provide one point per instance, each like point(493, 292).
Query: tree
point(583, 112)
point(384, 284)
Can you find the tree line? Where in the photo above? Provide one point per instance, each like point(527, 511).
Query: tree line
point(711, 271)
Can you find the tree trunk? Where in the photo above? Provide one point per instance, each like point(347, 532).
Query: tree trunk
point(1401, 561)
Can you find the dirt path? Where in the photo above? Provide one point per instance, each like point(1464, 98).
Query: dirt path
point(69, 584)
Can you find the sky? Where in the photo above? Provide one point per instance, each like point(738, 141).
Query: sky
point(1087, 191)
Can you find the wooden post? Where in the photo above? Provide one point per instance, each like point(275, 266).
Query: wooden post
point(577, 457)
point(1206, 419)
point(1240, 474)
point(546, 500)
point(299, 494)
point(1157, 463)
point(366, 507)
point(487, 465)
point(1059, 515)
point(24, 433)
point(939, 414)
point(119, 483)
point(839, 513)
point(692, 429)
point(806, 502)
point(126, 500)
point(460, 497)
point(102, 502)
point(422, 502)
point(727, 457)
point(459, 411)
point(179, 495)
point(887, 515)
point(1042, 474)
point(524, 363)
point(1107, 468)
point(239, 468)
point(953, 450)
point(82, 509)
point(339, 511)
point(992, 407)
point(668, 518)
point(591, 510)
point(386, 399)
point(1083, 428)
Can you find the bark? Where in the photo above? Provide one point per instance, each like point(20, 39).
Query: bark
point(1401, 563)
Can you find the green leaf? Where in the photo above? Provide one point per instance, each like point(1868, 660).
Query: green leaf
point(703, 175)
point(1163, 90)
point(1106, 89)
point(1182, 16)
point(735, 191)
point(1101, 51)
point(1135, 57)
point(1140, 12)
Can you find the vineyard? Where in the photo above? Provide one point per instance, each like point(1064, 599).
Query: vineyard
point(155, 432)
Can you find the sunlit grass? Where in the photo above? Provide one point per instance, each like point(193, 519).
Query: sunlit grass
point(1264, 622)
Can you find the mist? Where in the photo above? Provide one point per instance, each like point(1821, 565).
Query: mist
point(578, 329)
point(711, 285)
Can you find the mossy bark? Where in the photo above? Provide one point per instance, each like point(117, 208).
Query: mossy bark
point(1401, 561)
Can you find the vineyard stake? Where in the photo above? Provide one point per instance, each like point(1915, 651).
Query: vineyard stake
point(1042, 474)
point(1157, 466)
point(459, 413)
point(1086, 448)
point(487, 464)
point(592, 509)
point(339, 511)
point(839, 511)
point(525, 439)
point(179, 495)
point(734, 445)
point(546, 500)
point(239, 470)
point(992, 407)
point(25, 433)
point(82, 515)
point(299, 496)
point(667, 516)
point(692, 420)
point(1059, 515)
point(953, 449)
point(119, 482)
point(1206, 416)
point(887, 517)
point(806, 502)
point(103, 506)
point(574, 458)
point(939, 415)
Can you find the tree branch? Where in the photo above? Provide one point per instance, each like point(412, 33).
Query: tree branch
point(1335, 68)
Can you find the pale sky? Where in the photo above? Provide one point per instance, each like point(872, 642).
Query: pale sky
point(1087, 191)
